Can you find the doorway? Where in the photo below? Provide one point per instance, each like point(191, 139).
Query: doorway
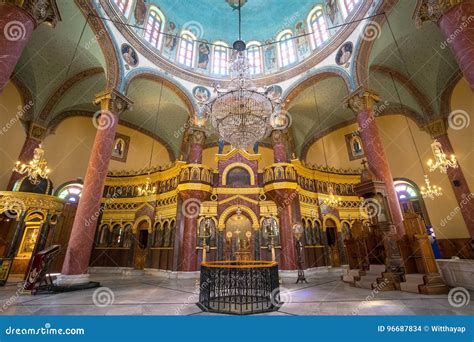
point(238, 233)
point(141, 245)
point(331, 238)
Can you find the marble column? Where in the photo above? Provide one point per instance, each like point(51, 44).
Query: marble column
point(36, 134)
point(190, 205)
point(280, 153)
point(362, 102)
point(83, 231)
point(438, 130)
point(455, 19)
point(197, 137)
point(18, 19)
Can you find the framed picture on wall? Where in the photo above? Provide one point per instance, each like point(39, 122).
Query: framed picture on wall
point(120, 148)
point(354, 145)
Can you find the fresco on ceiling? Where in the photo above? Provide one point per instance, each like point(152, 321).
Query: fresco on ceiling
point(302, 42)
point(129, 56)
point(120, 150)
point(170, 41)
point(274, 92)
point(344, 54)
point(140, 12)
point(269, 57)
point(201, 93)
point(202, 49)
point(332, 11)
point(204, 52)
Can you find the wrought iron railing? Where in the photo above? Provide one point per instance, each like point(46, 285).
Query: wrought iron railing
point(239, 287)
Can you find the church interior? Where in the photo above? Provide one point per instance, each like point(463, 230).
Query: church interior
point(165, 157)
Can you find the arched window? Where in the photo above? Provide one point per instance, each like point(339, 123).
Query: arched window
point(410, 199)
point(286, 48)
point(254, 54)
point(186, 49)
point(153, 27)
point(347, 6)
point(318, 26)
point(219, 59)
point(70, 191)
point(124, 6)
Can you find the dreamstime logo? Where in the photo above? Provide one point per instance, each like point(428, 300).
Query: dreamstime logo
point(371, 31)
point(458, 297)
point(13, 207)
point(280, 296)
point(195, 28)
point(103, 296)
point(103, 119)
point(191, 208)
point(14, 31)
point(281, 119)
point(370, 206)
point(459, 119)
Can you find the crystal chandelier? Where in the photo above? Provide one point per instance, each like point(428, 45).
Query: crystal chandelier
point(430, 191)
point(332, 200)
point(441, 162)
point(241, 113)
point(36, 168)
point(148, 189)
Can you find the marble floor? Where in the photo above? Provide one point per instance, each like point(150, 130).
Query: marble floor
point(150, 295)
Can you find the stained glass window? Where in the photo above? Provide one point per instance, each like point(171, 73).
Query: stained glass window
point(319, 28)
point(186, 50)
point(348, 6)
point(287, 49)
point(219, 60)
point(70, 192)
point(122, 5)
point(153, 28)
point(254, 54)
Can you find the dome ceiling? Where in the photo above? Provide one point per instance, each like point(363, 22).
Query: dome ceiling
point(216, 20)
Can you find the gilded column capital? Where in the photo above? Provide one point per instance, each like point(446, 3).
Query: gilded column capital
point(113, 101)
point(361, 99)
point(437, 127)
point(432, 10)
point(42, 11)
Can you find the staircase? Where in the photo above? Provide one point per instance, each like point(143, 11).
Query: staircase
point(375, 277)
point(351, 276)
point(424, 283)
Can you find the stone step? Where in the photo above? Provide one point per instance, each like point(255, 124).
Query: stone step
point(376, 269)
point(409, 287)
point(417, 278)
point(364, 284)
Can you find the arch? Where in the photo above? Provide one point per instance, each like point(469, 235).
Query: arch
point(318, 75)
point(230, 210)
point(139, 220)
point(157, 76)
point(109, 47)
point(242, 165)
point(333, 218)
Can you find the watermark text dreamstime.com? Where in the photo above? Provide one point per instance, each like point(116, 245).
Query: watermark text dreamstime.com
point(456, 210)
point(22, 110)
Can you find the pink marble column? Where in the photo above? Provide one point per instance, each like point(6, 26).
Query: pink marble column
point(197, 137)
point(362, 103)
point(83, 231)
point(456, 22)
point(26, 155)
point(17, 23)
point(280, 154)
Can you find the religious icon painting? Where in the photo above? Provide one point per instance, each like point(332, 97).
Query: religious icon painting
point(274, 92)
point(269, 56)
point(201, 94)
point(354, 146)
point(120, 148)
point(130, 57)
point(332, 11)
point(171, 40)
point(302, 42)
point(344, 54)
point(204, 52)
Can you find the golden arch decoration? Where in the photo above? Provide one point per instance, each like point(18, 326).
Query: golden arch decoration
point(234, 165)
point(140, 220)
point(227, 212)
point(333, 218)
